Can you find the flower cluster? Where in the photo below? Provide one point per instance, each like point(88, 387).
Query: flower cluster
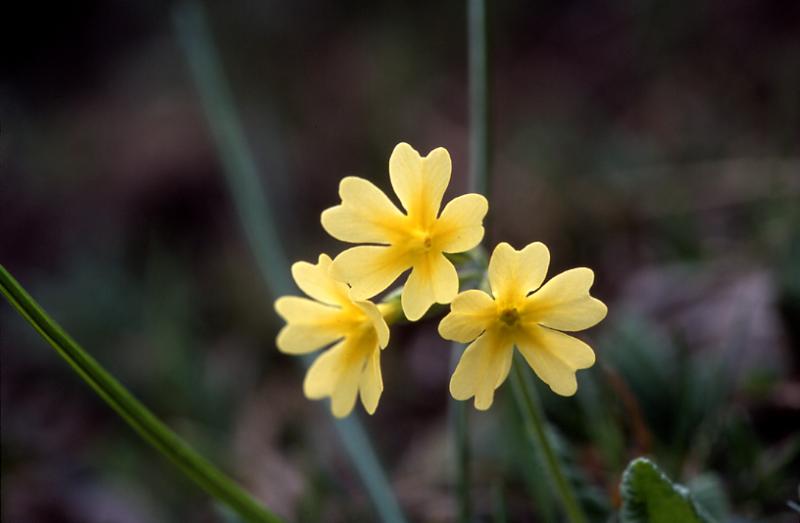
point(520, 311)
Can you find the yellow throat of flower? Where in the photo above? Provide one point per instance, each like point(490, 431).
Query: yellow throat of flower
point(509, 316)
point(421, 240)
point(427, 242)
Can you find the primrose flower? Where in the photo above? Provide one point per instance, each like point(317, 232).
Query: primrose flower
point(352, 365)
point(416, 240)
point(521, 313)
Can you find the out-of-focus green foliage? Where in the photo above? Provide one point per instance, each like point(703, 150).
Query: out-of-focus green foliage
point(142, 420)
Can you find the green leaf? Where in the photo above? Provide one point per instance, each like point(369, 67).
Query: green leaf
point(650, 497)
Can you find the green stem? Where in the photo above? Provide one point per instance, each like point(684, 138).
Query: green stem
point(249, 196)
point(480, 162)
point(498, 504)
point(201, 471)
point(533, 415)
point(460, 427)
point(478, 183)
point(479, 135)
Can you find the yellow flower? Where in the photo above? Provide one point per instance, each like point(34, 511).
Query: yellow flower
point(520, 315)
point(357, 328)
point(416, 240)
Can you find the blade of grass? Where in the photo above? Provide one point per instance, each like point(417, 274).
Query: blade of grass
point(195, 466)
point(239, 167)
point(250, 199)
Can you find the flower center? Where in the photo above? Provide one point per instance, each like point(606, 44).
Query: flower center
point(422, 240)
point(509, 316)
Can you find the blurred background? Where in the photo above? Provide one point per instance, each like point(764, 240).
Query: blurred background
point(656, 142)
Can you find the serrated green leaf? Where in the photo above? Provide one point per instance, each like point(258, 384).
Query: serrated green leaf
point(650, 497)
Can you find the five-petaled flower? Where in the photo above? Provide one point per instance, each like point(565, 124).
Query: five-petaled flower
point(416, 240)
point(521, 313)
point(352, 365)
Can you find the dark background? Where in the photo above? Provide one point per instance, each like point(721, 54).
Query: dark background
point(656, 142)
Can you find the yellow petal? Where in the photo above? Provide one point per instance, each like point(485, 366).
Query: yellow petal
point(420, 182)
point(482, 368)
point(513, 274)
point(405, 173)
point(504, 367)
point(316, 282)
point(470, 314)
point(554, 357)
point(366, 215)
point(433, 279)
point(336, 373)
point(344, 395)
point(376, 320)
point(436, 170)
point(564, 303)
point(371, 385)
point(460, 226)
point(321, 377)
point(310, 325)
point(369, 269)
